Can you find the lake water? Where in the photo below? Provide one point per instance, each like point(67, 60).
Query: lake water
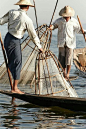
point(18, 114)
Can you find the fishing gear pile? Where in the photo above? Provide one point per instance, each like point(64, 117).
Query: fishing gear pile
point(42, 72)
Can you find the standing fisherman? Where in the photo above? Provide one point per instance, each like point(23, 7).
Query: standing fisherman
point(18, 23)
point(67, 28)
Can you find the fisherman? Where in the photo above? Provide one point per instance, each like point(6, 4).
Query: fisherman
point(67, 28)
point(18, 22)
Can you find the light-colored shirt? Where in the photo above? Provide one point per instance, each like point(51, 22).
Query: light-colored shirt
point(67, 32)
point(18, 22)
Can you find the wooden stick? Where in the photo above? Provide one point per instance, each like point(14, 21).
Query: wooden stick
point(36, 16)
point(81, 28)
point(53, 12)
point(8, 71)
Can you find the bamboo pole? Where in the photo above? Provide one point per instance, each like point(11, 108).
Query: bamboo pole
point(43, 62)
point(81, 28)
point(54, 12)
point(8, 71)
point(49, 74)
point(36, 15)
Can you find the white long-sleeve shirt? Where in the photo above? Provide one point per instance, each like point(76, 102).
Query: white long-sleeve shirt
point(66, 32)
point(18, 22)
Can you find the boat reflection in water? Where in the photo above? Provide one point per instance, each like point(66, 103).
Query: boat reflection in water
point(28, 115)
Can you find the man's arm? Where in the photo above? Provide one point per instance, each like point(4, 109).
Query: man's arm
point(4, 19)
point(33, 35)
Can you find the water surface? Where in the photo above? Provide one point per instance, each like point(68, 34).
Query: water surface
point(18, 114)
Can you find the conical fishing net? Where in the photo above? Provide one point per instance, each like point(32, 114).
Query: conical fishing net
point(49, 78)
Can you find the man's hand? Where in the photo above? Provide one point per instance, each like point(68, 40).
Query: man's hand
point(0, 34)
point(41, 49)
point(0, 37)
point(51, 27)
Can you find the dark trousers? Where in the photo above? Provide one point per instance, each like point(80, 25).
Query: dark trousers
point(14, 55)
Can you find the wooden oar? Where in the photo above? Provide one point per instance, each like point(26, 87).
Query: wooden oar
point(81, 28)
point(8, 71)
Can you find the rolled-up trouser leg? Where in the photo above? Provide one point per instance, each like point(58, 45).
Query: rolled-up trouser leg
point(13, 50)
point(65, 56)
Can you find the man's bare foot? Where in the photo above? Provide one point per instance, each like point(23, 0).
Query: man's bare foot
point(17, 91)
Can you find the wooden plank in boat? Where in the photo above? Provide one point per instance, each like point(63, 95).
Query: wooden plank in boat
point(72, 103)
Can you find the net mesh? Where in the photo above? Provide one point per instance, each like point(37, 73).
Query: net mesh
point(49, 76)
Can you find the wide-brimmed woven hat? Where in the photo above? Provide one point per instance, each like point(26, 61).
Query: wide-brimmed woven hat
point(25, 2)
point(67, 11)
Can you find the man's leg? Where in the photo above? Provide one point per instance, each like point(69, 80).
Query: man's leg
point(69, 60)
point(68, 70)
point(62, 59)
point(64, 74)
point(15, 88)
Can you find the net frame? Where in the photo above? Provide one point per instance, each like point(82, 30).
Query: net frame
point(44, 77)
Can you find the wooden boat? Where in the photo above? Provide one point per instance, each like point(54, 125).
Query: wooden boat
point(72, 103)
point(80, 61)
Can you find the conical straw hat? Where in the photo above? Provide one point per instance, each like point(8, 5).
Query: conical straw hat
point(67, 11)
point(24, 2)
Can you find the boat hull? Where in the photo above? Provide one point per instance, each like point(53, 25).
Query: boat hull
point(71, 103)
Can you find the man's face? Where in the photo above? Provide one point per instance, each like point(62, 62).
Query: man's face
point(28, 7)
point(67, 18)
